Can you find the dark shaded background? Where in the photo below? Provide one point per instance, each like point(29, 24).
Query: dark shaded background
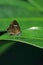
point(22, 54)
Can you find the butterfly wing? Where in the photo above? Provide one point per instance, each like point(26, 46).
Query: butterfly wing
point(14, 28)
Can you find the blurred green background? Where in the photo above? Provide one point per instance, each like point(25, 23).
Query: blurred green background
point(21, 8)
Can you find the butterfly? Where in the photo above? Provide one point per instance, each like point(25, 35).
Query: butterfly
point(14, 28)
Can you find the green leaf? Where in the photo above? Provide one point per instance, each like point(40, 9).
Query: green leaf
point(32, 31)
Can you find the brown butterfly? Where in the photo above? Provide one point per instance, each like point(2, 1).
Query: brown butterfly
point(14, 28)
